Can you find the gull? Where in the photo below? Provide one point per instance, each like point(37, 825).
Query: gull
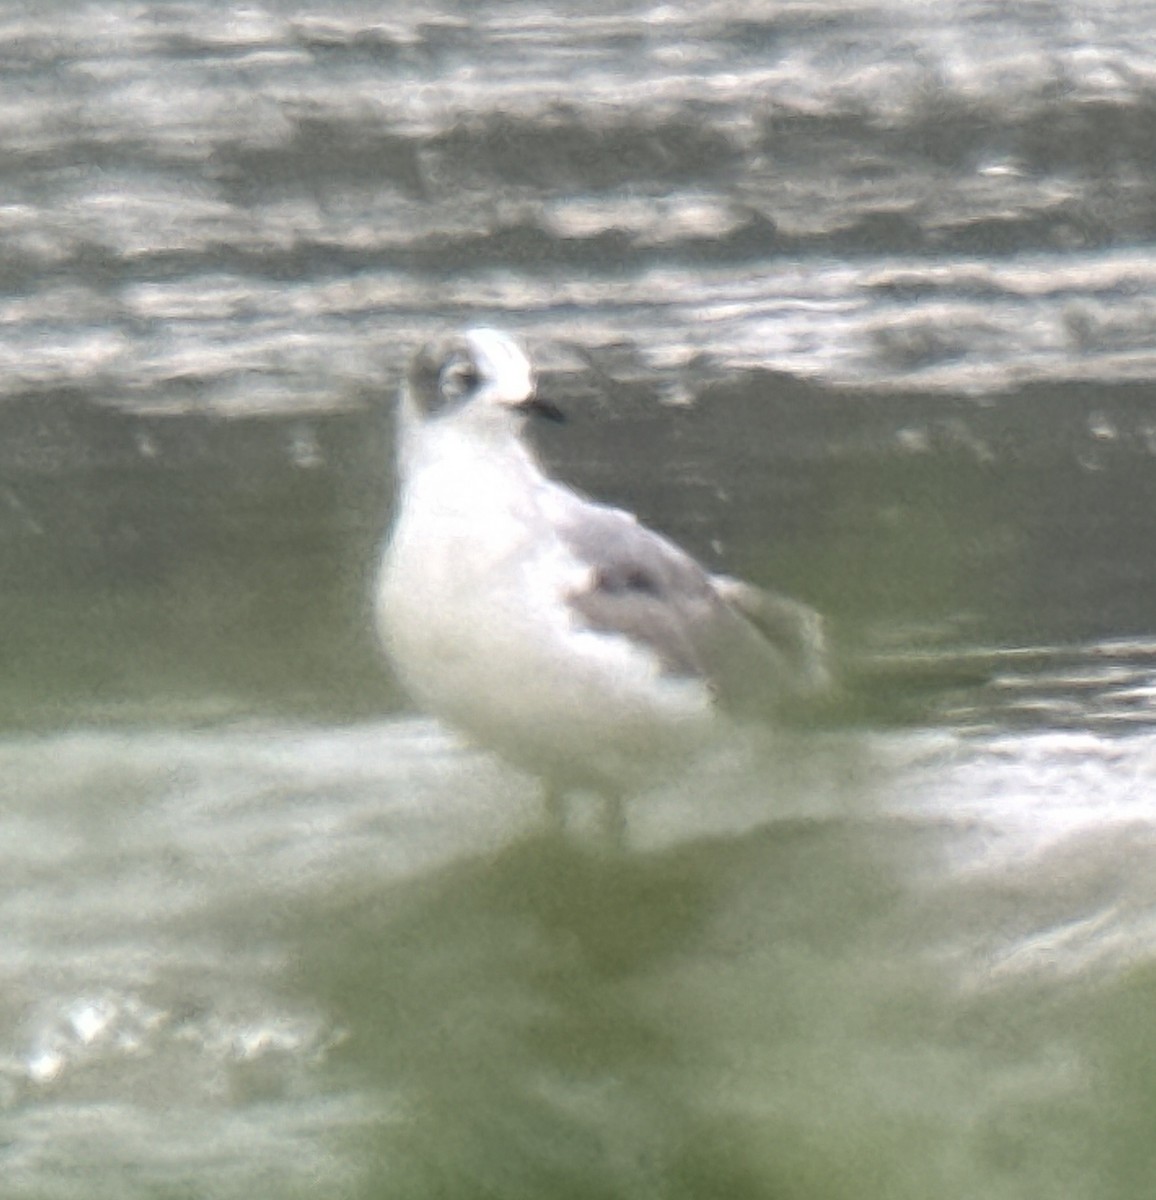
point(556, 631)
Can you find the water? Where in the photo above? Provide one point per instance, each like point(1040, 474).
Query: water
point(277, 960)
point(853, 299)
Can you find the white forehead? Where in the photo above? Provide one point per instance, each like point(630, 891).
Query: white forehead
point(503, 365)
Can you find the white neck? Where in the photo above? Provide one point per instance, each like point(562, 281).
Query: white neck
point(420, 441)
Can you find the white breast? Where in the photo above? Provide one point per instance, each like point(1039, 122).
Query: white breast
point(472, 610)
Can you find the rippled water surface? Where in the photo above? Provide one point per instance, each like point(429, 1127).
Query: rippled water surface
point(854, 299)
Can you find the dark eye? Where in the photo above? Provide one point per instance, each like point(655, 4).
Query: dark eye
point(458, 378)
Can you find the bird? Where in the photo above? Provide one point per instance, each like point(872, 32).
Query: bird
point(554, 630)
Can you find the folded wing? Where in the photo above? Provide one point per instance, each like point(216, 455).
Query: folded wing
point(751, 647)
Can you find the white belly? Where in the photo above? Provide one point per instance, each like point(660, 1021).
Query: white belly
point(472, 614)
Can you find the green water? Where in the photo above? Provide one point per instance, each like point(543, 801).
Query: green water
point(278, 960)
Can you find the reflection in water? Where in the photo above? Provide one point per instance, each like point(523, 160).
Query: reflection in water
point(783, 1009)
point(561, 1022)
point(662, 1022)
point(354, 952)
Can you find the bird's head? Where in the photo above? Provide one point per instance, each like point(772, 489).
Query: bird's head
point(481, 370)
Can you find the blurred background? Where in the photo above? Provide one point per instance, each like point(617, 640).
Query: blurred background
point(854, 300)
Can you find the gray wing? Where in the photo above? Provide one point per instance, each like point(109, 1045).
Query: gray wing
point(751, 647)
